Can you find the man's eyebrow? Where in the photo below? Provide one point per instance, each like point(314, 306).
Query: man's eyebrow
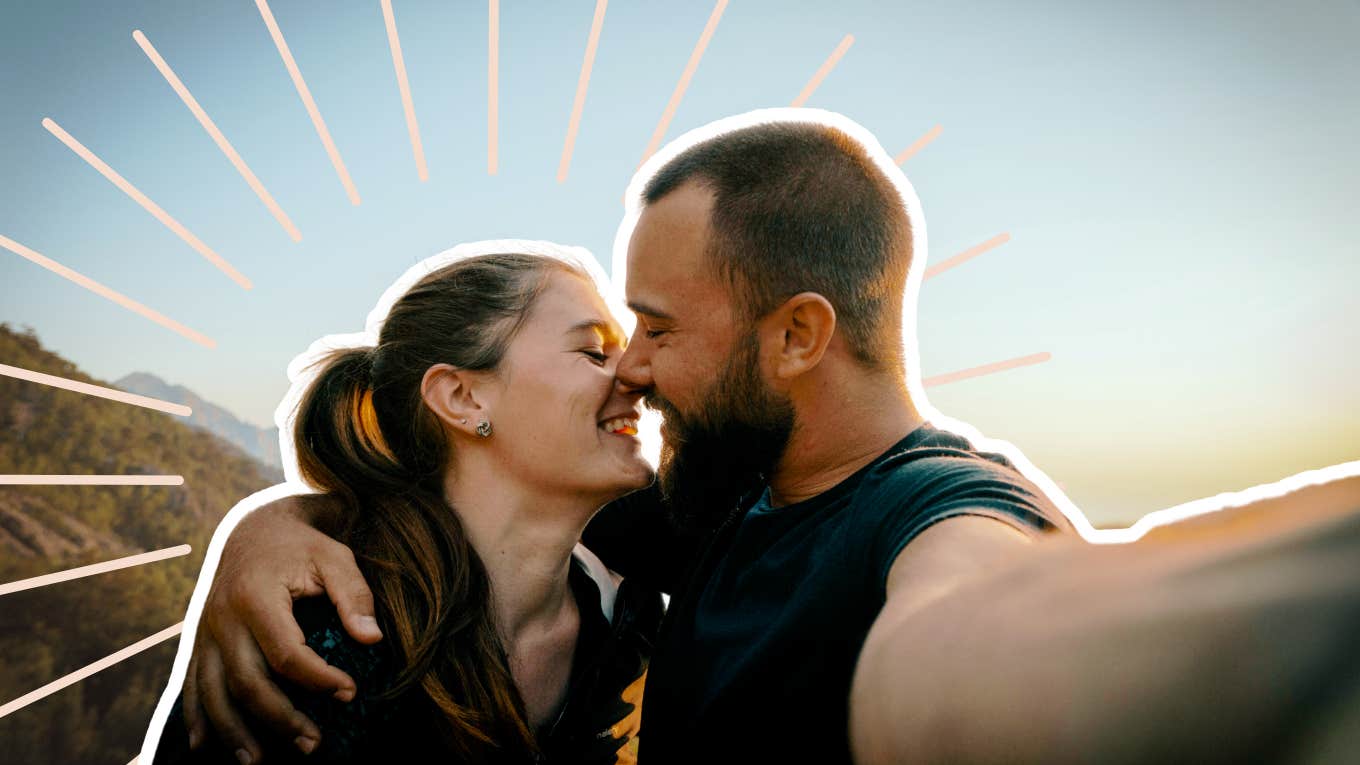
point(642, 308)
point(595, 325)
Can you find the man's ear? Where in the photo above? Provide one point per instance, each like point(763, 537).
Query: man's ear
point(796, 334)
point(456, 396)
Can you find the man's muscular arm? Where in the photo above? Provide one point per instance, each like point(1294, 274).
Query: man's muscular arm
point(275, 555)
point(1228, 638)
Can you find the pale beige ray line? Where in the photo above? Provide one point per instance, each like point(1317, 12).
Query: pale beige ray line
point(404, 86)
point(582, 83)
point(685, 77)
point(921, 142)
point(141, 199)
point(987, 369)
point(307, 101)
point(95, 568)
point(91, 480)
point(134, 761)
point(966, 255)
point(81, 674)
point(105, 292)
point(95, 390)
point(825, 69)
point(493, 54)
point(216, 135)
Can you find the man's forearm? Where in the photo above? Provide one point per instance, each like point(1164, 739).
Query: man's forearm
point(1231, 646)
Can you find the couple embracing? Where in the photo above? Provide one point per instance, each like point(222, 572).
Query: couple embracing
point(493, 547)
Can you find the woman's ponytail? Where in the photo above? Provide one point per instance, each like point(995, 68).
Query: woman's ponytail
point(340, 446)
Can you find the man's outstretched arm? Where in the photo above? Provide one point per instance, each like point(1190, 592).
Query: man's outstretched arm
point(1225, 638)
point(275, 555)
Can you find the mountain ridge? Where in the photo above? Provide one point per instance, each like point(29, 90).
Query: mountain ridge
point(260, 443)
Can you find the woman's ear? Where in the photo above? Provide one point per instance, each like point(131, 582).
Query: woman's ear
point(455, 396)
point(796, 334)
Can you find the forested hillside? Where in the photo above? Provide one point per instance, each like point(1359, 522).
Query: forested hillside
point(50, 631)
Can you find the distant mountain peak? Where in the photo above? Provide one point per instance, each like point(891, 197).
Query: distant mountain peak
point(146, 379)
point(261, 443)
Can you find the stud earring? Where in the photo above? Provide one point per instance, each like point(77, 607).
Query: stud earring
point(484, 428)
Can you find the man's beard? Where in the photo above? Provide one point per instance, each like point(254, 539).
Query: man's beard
point(710, 458)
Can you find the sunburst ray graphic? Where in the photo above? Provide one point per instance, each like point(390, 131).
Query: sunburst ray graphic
point(598, 151)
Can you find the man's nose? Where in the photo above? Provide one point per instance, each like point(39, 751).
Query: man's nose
point(634, 372)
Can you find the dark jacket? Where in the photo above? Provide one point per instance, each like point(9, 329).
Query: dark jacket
point(598, 723)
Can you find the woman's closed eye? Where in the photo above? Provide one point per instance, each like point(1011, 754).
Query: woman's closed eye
point(597, 355)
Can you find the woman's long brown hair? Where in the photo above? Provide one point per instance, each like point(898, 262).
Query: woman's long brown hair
point(365, 436)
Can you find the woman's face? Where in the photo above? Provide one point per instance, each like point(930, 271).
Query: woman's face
point(559, 422)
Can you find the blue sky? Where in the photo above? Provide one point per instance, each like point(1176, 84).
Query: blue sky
point(1178, 179)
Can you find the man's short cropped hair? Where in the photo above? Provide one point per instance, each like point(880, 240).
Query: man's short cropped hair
point(801, 207)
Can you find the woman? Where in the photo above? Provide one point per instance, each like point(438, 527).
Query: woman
point(469, 447)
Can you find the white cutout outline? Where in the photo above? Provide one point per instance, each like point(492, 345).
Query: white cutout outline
point(302, 368)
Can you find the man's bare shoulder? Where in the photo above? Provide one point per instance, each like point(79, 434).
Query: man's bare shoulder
point(950, 552)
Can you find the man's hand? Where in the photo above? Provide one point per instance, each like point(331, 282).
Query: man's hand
point(274, 556)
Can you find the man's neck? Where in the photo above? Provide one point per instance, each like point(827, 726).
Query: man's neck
point(843, 425)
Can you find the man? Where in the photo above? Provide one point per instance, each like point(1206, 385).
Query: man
point(815, 505)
